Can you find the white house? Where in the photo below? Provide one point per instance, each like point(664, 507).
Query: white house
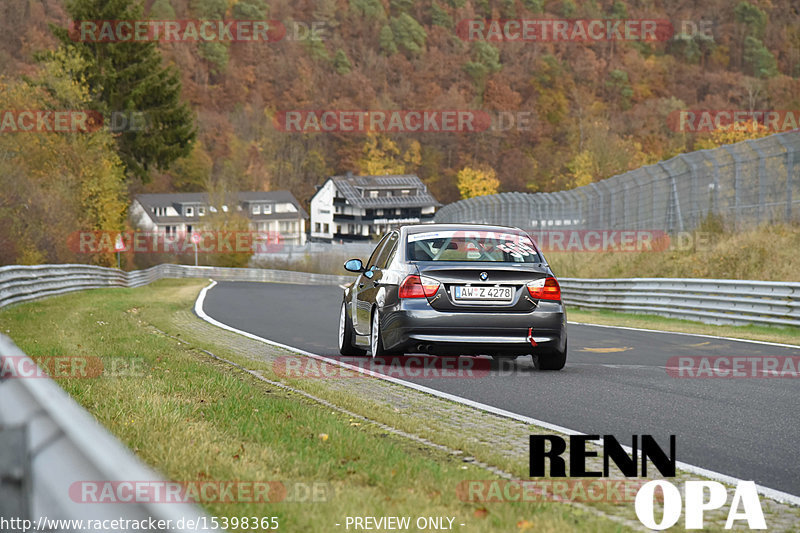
point(174, 214)
point(359, 207)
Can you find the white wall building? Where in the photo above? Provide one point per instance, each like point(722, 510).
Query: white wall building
point(179, 214)
point(351, 208)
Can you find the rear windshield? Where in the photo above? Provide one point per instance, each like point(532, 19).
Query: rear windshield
point(500, 247)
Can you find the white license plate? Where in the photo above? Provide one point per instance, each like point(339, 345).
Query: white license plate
point(478, 292)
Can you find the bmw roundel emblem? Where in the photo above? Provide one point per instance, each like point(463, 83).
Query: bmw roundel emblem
point(484, 276)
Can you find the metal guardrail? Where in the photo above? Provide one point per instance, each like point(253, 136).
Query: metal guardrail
point(48, 442)
point(713, 301)
point(22, 283)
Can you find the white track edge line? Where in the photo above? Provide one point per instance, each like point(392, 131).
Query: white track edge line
point(776, 495)
point(684, 333)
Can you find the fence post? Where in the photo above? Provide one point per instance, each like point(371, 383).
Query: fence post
point(602, 203)
point(762, 169)
point(737, 168)
point(789, 176)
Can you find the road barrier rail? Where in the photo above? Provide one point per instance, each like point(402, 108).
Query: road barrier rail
point(48, 442)
point(714, 301)
point(22, 283)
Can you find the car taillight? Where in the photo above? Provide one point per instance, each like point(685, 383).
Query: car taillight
point(545, 289)
point(418, 287)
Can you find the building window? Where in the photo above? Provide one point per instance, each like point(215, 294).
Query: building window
point(338, 228)
point(288, 226)
point(397, 211)
point(285, 208)
point(267, 209)
point(190, 211)
point(317, 227)
point(405, 192)
point(373, 194)
point(201, 211)
point(379, 212)
point(188, 229)
point(256, 209)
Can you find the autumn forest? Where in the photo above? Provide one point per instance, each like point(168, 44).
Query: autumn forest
point(560, 114)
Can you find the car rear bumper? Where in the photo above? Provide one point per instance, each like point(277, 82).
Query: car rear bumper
point(413, 326)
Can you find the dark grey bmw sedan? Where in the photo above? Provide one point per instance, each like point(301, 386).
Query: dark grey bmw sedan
point(455, 289)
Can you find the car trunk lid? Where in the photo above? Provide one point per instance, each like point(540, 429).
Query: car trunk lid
point(482, 286)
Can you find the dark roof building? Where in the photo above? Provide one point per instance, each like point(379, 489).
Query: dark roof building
point(359, 207)
point(182, 213)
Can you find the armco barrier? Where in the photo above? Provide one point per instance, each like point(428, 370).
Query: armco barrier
point(48, 442)
point(714, 301)
point(21, 283)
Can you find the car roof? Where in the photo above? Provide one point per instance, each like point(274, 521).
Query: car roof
point(421, 228)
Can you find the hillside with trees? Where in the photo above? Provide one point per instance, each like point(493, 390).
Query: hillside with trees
point(591, 109)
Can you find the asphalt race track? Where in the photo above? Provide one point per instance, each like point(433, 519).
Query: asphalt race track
point(614, 383)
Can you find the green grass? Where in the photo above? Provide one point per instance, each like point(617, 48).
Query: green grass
point(194, 418)
point(771, 252)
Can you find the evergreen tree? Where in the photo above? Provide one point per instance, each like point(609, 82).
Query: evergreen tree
point(126, 77)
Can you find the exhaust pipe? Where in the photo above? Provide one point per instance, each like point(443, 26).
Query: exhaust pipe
point(423, 348)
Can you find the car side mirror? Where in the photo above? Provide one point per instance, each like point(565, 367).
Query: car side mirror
point(369, 273)
point(354, 265)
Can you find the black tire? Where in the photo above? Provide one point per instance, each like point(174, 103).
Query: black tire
point(375, 338)
point(346, 334)
point(552, 359)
